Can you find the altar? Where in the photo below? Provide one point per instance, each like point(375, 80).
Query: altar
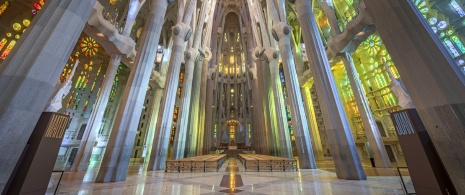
point(232, 147)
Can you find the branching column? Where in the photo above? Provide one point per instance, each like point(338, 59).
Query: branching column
point(371, 129)
point(82, 158)
point(193, 125)
point(284, 148)
point(299, 121)
point(345, 156)
point(119, 148)
point(159, 83)
point(182, 129)
point(311, 118)
point(181, 33)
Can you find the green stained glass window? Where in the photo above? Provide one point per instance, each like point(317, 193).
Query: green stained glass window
point(458, 43)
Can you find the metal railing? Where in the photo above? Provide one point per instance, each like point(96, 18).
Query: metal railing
point(59, 180)
point(405, 185)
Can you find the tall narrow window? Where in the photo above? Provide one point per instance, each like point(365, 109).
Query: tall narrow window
point(8, 49)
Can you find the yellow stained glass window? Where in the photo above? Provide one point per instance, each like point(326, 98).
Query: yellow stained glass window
point(17, 26)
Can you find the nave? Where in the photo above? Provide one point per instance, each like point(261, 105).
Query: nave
point(305, 181)
point(108, 86)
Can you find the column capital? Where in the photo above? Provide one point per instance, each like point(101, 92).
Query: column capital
point(207, 53)
point(211, 72)
point(157, 78)
point(281, 30)
point(253, 72)
point(191, 55)
point(256, 53)
point(271, 54)
point(182, 31)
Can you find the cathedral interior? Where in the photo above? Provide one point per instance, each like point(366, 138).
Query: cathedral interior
point(149, 85)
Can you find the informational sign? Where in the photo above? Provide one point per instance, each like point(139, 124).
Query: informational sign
point(425, 167)
point(35, 169)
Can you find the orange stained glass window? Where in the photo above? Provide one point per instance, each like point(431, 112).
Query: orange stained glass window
point(3, 7)
point(69, 101)
point(8, 49)
point(3, 43)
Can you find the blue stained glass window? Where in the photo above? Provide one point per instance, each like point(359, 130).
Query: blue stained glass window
point(281, 75)
point(457, 8)
point(451, 47)
point(442, 25)
point(433, 21)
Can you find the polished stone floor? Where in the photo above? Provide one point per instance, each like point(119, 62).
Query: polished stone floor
point(231, 179)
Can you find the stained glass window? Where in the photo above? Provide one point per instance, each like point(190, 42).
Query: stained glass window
point(26, 22)
point(451, 47)
point(8, 49)
point(457, 8)
point(85, 106)
point(3, 43)
point(433, 21)
point(3, 7)
point(458, 43)
point(38, 6)
point(442, 25)
point(69, 102)
point(89, 46)
point(17, 26)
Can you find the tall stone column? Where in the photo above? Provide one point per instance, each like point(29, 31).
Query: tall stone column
point(30, 73)
point(311, 118)
point(430, 75)
point(134, 8)
point(181, 33)
point(82, 158)
point(270, 111)
point(204, 134)
point(345, 157)
point(182, 127)
point(284, 148)
point(119, 148)
point(193, 126)
point(371, 129)
point(281, 33)
point(211, 98)
point(159, 84)
point(209, 109)
point(220, 111)
point(244, 113)
point(267, 142)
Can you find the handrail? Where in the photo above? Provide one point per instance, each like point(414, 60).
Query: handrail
point(402, 181)
point(59, 180)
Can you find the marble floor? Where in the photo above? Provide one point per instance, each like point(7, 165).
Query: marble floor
point(232, 179)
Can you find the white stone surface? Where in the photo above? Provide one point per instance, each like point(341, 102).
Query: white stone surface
point(30, 72)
